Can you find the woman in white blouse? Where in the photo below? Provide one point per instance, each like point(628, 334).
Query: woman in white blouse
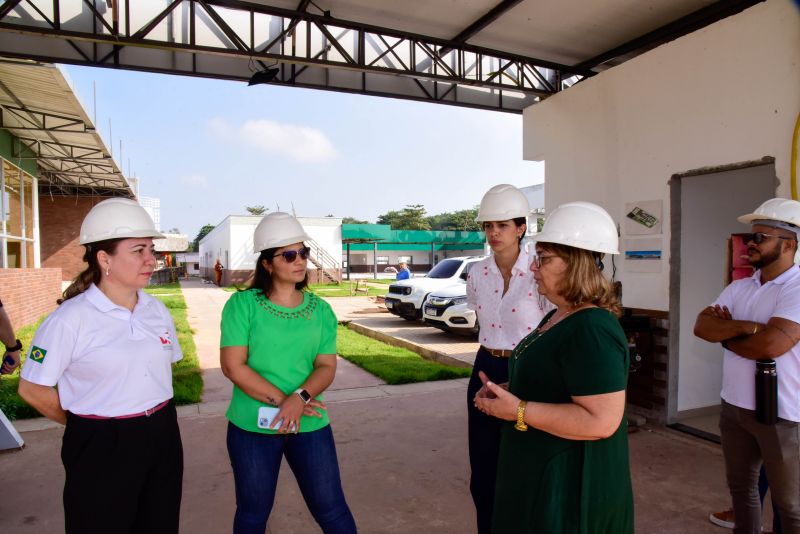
point(502, 291)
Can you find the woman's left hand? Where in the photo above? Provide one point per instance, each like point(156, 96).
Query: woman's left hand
point(503, 405)
point(289, 414)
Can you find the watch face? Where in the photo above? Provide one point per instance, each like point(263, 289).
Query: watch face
point(304, 395)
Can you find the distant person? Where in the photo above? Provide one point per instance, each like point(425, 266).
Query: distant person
point(564, 464)
point(13, 345)
point(218, 272)
point(404, 273)
point(757, 322)
point(502, 291)
point(278, 347)
point(109, 347)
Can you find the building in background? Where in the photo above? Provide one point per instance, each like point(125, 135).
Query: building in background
point(152, 206)
point(231, 241)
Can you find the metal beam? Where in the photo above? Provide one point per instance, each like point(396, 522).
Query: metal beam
point(487, 18)
point(38, 120)
point(331, 54)
point(669, 32)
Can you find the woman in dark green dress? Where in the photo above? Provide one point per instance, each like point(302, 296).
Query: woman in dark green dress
point(563, 465)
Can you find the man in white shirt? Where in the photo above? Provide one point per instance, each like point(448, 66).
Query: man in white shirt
point(758, 318)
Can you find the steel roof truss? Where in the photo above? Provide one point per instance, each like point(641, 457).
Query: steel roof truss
point(58, 123)
point(358, 47)
point(71, 151)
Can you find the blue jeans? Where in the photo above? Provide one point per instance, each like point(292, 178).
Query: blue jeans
point(256, 461)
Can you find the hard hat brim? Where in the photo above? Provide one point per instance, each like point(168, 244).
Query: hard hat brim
point(126, 235)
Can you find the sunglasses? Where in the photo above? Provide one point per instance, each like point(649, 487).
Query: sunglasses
point(760, 237)
point(291, 255)
point(538, 260)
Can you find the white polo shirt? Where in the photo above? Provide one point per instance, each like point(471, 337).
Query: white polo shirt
point(105, 359)
point(749, 300)
point(505, 319)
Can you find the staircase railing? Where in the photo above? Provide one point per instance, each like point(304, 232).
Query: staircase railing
point(328, 268)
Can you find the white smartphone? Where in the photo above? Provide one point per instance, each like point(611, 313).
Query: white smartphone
point(266, 414)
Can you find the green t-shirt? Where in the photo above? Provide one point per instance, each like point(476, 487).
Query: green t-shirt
point(282, 344)
point(551, 485)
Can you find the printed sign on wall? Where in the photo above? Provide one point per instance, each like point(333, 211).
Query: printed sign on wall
point(642, 255)
point(643, 217)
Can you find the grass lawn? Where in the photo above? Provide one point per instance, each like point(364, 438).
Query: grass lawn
point(11, 404)
point(186, 379)
point(394, 365)
point(172, 287)
point(345, 289)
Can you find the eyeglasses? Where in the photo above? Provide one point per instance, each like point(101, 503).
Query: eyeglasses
point(540, 260)
point(760, 237)
point(291, 255)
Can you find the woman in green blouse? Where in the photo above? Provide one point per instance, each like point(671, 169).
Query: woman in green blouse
point(563, 465)
point(278, 347)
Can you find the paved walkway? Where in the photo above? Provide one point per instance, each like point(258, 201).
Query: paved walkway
point(402, 452)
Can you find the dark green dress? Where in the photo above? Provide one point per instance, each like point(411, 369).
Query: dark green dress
point(550, 485)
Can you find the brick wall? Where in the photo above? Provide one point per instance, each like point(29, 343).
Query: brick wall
point(59, 227)
point(27, 294)
point(647, 381)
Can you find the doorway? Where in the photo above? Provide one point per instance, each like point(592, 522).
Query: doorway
point(705, 205)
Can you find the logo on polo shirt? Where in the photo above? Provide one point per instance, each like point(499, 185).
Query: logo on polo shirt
point(166, 340)
point(37, 354)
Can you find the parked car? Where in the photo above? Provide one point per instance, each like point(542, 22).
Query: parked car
point(447, 310)
point(405, 297)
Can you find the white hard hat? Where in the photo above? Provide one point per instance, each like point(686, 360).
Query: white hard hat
point(117, 218)
point(581, 225)
point(276, 230)
point(775, 209)
point(502, 203)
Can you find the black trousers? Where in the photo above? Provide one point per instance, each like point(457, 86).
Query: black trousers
point(484, 439)
point(123, 476)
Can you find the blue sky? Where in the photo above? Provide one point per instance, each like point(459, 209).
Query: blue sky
point(208, 148)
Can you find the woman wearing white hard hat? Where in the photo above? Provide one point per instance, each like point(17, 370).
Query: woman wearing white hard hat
point(278, 347)
point(109, 347)
point(502, 291)
point(564, 452)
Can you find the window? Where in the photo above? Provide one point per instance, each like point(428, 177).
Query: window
point(383, 260)
point(445, 269)
point(404, 259)
point(16, 208)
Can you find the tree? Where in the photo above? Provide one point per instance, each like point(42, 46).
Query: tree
point(200, 235)
point(256, 210)
point(175, 230)
point(352, 220)
point(463, 220)
point(412, 217)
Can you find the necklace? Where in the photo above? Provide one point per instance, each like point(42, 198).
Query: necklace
point(539, 332)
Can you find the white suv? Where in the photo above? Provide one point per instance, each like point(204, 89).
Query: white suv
point(405, 297)
point(447, 310)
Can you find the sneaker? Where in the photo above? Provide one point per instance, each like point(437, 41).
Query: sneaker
point(723, 519)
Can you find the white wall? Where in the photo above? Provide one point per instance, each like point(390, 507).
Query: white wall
point(235, 234)
point(214, 245)
point(727, 93)
point(327, 232)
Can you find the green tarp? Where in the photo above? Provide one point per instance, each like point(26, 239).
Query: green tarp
point(362, 237)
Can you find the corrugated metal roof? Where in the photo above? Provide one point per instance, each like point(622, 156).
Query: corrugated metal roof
point(38, 106)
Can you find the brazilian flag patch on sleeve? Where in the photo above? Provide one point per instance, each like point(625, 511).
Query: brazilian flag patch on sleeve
point(37, 354)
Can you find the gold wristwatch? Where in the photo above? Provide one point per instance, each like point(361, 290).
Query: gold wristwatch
point(521, 426)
